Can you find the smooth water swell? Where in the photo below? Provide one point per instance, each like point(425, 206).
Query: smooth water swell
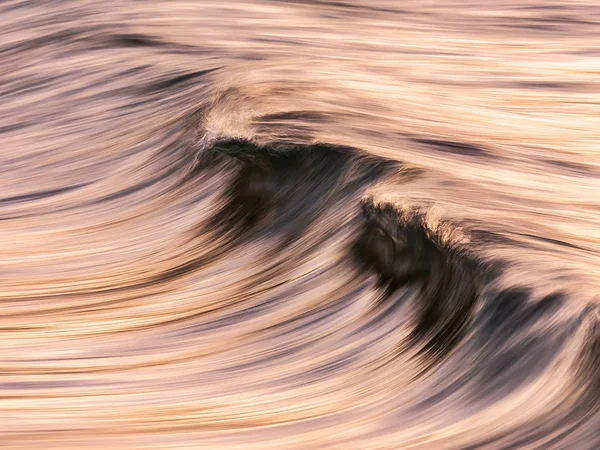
point(299, 225)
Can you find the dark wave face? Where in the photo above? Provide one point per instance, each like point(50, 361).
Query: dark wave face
point(299, 225)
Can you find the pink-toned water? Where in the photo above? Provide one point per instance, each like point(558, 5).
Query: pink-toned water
point(130, 319)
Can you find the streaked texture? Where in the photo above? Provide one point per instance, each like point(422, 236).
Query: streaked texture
point(299, 224)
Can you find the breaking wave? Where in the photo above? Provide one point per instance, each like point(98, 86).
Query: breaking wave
point(298, 225)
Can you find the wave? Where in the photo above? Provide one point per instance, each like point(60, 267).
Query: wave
point(298, 225)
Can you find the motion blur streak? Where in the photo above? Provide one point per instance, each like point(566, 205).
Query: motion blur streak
point(299, 224)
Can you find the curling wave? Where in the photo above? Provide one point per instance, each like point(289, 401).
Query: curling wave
point(298, 225)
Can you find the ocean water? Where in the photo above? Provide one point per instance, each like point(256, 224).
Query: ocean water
point(299, 224)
